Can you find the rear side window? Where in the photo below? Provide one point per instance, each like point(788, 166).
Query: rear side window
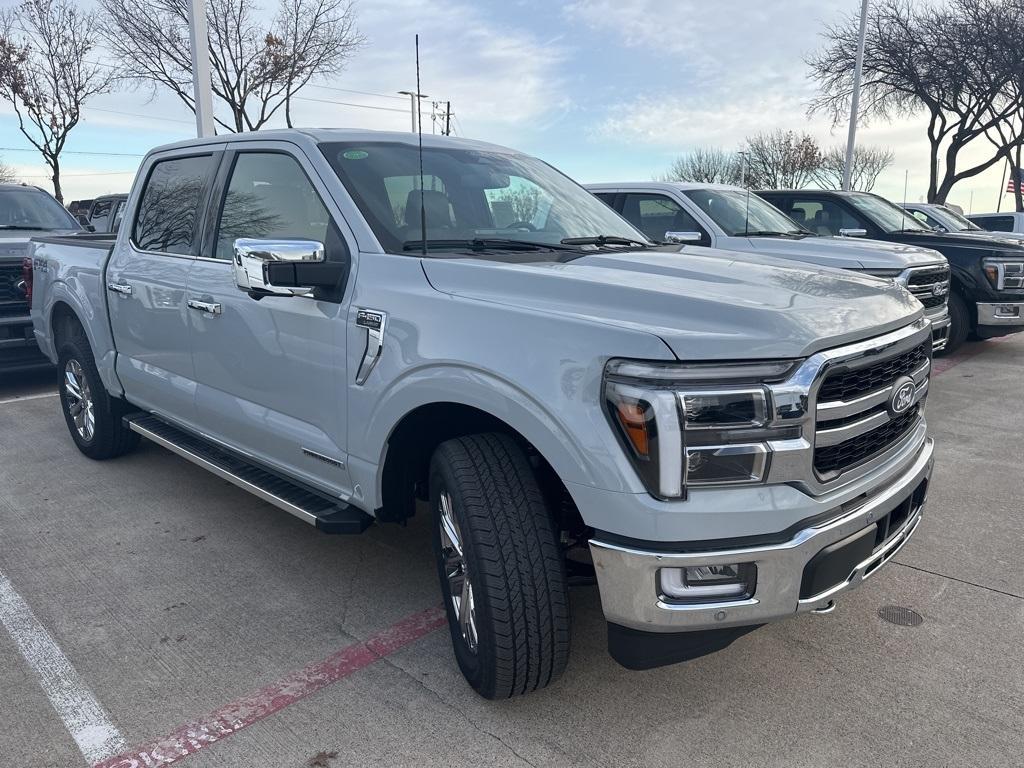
point(100, 214)
point(995, 223)
point(169, 209)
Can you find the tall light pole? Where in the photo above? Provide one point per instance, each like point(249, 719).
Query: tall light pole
point(855, 96)
point(412, 103)
point(201, 68)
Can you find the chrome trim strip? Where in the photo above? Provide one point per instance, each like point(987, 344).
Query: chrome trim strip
point(375, 322)
point(826, 437)
point(839, 409)
point(324, 458)
point(255, 490)
point(987, 313)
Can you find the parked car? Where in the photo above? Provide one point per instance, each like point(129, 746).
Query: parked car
point(336, 322)
point(79, 207)
point(722, 216)
point(106, 212)
point(941, 218)
point(1009, 222)
point(987, 291)
point(24, 211)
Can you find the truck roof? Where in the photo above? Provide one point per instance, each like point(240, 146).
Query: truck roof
point(680, 185)
point(322, 135)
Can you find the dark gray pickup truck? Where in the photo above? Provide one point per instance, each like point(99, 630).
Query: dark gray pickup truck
point(25, 212)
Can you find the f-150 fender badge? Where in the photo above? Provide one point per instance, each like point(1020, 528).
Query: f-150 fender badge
point(374, 321)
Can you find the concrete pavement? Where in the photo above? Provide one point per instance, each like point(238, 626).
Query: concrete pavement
point(172, 594)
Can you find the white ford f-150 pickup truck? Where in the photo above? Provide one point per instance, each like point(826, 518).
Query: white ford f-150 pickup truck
point(343, 325)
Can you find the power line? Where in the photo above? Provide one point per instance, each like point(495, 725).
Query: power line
point(349, 104)
point(136, 114)
point(362, 93)
point(73, 152)
point(68, 175)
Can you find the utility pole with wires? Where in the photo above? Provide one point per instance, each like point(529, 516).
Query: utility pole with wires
point(201, 89)
point(858, 68)
point(445, 117)
point(414, 97)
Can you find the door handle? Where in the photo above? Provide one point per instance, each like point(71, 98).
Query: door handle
point(209, 307)
point(122, 288)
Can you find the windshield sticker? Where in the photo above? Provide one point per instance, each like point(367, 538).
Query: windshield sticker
point(355, 154)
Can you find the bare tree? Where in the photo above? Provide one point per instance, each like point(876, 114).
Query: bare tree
point(868, 165)
point(46, 75)
point(949, 62)
point(256, 68)
point(781, 160)
point(707, 165)
point(7, 174)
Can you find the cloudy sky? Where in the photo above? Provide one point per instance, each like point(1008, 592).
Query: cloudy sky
point(603, 89)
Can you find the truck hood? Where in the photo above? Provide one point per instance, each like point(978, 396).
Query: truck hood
point(961, 240)
point(848, 252)
point(712, 305)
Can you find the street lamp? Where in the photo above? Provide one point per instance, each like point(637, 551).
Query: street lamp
point(855, 97)
point(201, 94)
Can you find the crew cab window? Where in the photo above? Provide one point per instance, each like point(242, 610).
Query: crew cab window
point(823, 217)
point(169, 209)
point(269, 196)
point(995, 223)
point(655, 215)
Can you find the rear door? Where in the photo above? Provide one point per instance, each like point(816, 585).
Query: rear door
point(146, 283)
point(271, 370)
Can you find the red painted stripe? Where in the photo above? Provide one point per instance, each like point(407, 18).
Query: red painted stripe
point(242, 713)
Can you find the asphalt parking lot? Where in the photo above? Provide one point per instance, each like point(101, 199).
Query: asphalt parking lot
point(200, 626)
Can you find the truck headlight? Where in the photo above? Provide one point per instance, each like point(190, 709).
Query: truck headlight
point(1004, 275)
point(695, 424)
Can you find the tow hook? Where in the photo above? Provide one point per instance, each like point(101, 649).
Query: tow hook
point(827, 608)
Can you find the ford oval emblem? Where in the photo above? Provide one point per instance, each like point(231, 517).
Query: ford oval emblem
point(902, 396)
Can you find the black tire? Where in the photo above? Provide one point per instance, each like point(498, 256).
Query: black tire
point(959, 323)
point(108, 437)
point(513, 560)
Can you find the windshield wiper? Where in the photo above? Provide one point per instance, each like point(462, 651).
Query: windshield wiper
point(603, 240)
point(21, 226)
point(796, 233)
point(482, 243)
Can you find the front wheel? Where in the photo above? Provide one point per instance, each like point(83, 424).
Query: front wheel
point(959, 323)
point(500, 566)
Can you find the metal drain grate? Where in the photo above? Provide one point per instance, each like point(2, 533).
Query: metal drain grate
point(897, 614)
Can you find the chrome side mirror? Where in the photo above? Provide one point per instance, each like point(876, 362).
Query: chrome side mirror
point(683, 237)
point(253, 257)
point(853, 233)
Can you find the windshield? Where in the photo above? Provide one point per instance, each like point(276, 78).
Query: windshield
point(32, 209)
point(739, 212)
point(468, 195)
point(890, 218)
point(954, 220)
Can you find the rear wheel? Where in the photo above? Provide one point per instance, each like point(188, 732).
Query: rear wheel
point(959, 323)
point(93, 416)
point(500, 566)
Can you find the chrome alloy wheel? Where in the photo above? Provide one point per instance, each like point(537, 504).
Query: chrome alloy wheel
point(79, 400)
point(460, 588)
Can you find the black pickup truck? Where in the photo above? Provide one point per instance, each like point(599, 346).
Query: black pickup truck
point(987, 289)
point(25, 212)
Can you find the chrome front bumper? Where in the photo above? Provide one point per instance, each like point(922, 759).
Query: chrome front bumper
point(940, 329)
point(1001, 313)
point(628, 577)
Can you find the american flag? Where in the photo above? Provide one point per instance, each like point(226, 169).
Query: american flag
point(1011, 185)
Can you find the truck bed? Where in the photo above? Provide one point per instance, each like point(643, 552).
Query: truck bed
point(70, 270)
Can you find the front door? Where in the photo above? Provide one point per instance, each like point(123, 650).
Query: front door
point(146, 286)
point(271, 370)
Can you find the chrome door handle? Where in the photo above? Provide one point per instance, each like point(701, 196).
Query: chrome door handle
point(122, 288)
point(205, 306)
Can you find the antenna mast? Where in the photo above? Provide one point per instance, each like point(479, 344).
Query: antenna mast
point(419, 132)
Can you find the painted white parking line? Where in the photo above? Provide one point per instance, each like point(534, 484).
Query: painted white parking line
point(85, 719)
point(28, 397)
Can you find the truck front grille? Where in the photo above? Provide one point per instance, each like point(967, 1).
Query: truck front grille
point(853, 419)
point(923, 282)
point(10, 297)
